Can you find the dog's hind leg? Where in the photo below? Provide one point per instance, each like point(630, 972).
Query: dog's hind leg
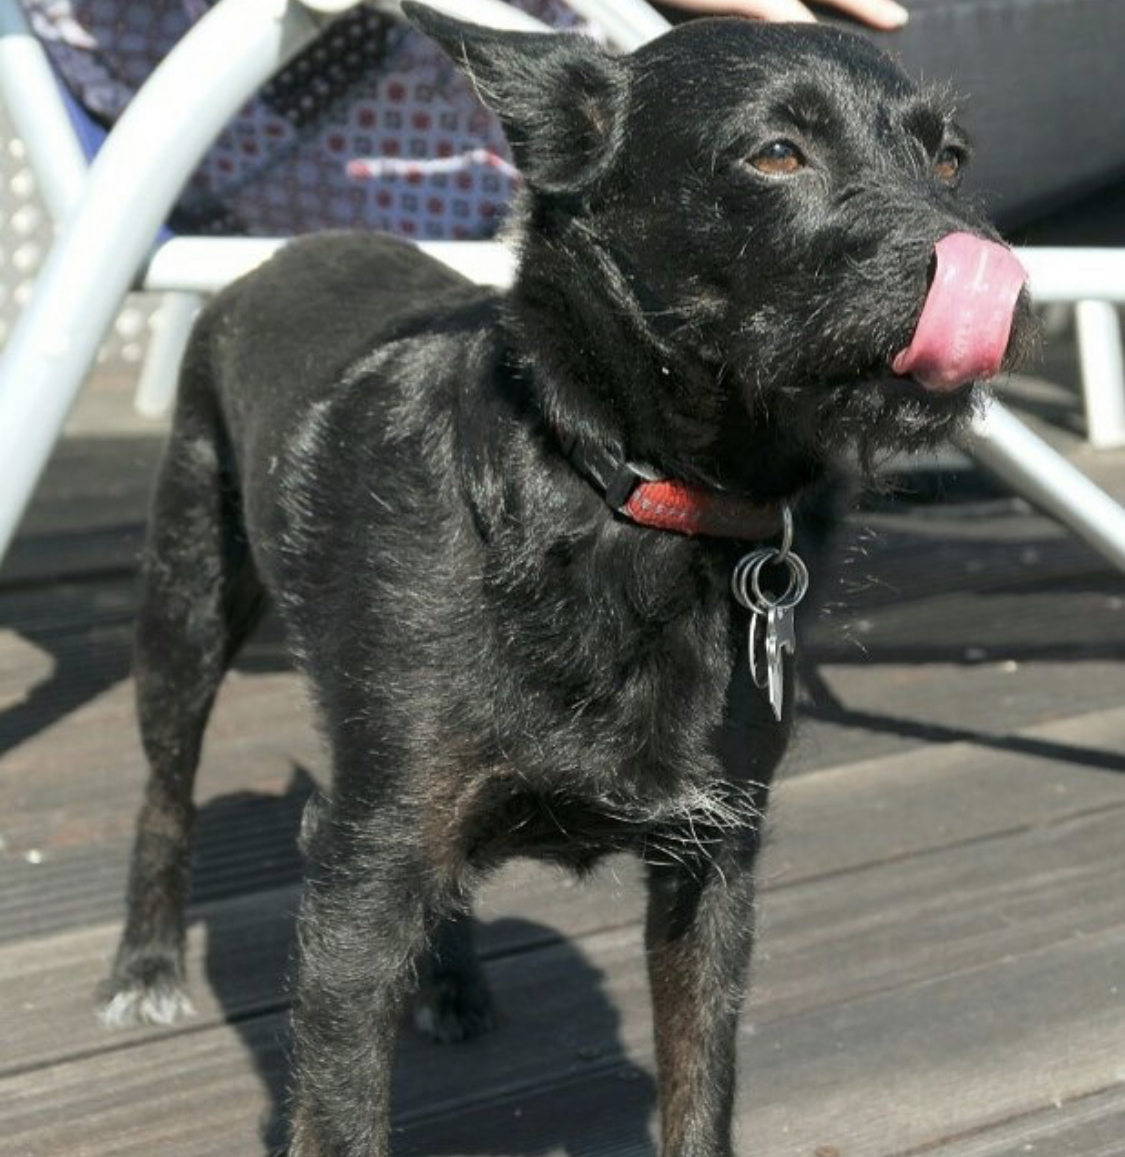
point(698, 937)
point(453, 1002)
point(199, 599)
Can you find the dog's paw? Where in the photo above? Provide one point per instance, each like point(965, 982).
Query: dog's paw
point(449, 1013)
point(145, 993)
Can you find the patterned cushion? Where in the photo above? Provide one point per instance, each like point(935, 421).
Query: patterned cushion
point(370, 126)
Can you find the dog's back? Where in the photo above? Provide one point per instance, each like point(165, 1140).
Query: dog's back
point(275, 340)
point(278, 349)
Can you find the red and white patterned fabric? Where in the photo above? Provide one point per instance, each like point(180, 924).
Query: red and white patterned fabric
point(371, 126)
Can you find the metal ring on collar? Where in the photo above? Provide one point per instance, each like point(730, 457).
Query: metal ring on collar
point(795, 590)
point(746, 581)
point(739, 585)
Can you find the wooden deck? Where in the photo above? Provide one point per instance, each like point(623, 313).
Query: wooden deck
point(942, 962)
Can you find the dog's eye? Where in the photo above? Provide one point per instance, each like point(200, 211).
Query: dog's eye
point(778, 158)
point(948, 164)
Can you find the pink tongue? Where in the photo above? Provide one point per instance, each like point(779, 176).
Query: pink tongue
point(967, 318)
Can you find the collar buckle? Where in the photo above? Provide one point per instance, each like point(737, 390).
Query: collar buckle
point(626, 477)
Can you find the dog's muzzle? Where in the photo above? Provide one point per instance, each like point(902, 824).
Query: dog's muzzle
point(963, 331)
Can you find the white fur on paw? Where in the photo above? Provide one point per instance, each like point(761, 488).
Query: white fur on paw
point(138, 1005)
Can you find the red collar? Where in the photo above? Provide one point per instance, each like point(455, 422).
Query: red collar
point(682, 507)
point(689, 509)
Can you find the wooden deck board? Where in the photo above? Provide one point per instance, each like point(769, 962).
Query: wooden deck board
point(902, 1067)
point(1089, 1126)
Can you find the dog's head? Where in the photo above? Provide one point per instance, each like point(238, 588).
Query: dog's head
point(761, 224)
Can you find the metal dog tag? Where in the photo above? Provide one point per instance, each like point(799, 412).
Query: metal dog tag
point(771, 614)
point(780, 637)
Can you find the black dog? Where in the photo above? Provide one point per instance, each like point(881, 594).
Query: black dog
point(726, 249)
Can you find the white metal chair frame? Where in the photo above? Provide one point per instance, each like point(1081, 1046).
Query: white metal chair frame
point(110, 211)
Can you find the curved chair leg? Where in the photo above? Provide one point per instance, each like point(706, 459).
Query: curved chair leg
point(30, 92)
point(131, 186)
point(171, 328)
point(1103, 372)
point(1030, 467)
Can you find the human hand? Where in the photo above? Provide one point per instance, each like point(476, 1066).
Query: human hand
point(878, 13)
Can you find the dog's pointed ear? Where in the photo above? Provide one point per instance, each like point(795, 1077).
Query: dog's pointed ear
point(558, 95)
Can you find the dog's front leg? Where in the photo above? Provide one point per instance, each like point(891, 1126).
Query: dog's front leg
point(698, 937)
point(370, 903)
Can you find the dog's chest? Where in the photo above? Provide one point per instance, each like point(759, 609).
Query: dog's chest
point(575, 826)
point(641, 716)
